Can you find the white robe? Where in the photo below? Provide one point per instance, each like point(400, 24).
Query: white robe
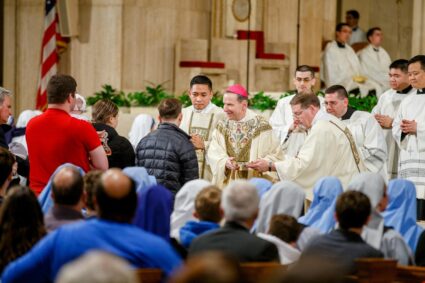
point(340, 65)
point(375, 65)
point(412, 147)
point(255, 140)
point(388, 104)
point(370, 141)
point(357, 35)
point(282, 119)
point(327, 151)
point(287, 253)
point(202, 123)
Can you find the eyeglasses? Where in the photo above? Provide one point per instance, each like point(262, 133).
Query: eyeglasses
point(298, 113)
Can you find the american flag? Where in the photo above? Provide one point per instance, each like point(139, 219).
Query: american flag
point(52, 43)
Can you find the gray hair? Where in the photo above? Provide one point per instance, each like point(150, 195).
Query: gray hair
point(97, 267)
point(4, 92)
point(239, 201)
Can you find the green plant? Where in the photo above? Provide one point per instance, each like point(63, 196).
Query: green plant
point(217, 99)
point(262, 102)
point(150, 97)
point(362, 103)
point(108, 92)
point(185, 99)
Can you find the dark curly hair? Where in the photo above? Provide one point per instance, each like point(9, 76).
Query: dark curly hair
point(21, 224)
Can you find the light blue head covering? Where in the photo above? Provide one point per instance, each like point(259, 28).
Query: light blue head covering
point(401, 211)
point(140, 176)
point(45, 198)
point(262, 185)
point(322, 210)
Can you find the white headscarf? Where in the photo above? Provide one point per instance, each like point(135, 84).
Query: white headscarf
point(184, 205)
point(372, 185)
point(284, 197)
point(141, 127)
point(22, 122)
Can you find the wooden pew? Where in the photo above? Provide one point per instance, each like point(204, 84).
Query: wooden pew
point(411, 274)
point(375, 270)
point(257, 272)
point(149, 275)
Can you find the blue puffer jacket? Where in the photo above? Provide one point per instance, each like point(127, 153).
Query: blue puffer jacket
point(193, 229)
point(169, 155)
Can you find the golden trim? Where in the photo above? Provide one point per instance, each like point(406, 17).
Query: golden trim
point(352, 144)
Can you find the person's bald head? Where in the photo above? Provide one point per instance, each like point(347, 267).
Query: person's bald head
point(116, 197)
point(67, 186)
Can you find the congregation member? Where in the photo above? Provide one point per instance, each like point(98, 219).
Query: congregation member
point(240, 139)
point(20, 229)
point(141, 177)
point(79, 108)
point(409, 132)
point(284, 232)
point(364, 128)
point(262, 185)
point(352, 18)
point(200, 119)
point(18, 134)
point(167, 153)
point(401, 213)
point(142, 125)
point(184, 205)
point(91, 182)
point(118, 149)
point(7, 170)
point(374, 59)
point(320, 215)
point(116, 202)
point(68, 198)
point(344, 245)
point(341, 66)
point(375, 233)
point(327, 134)
point(284, 197)
point(98, 267)
point(387, 107)
point(55, 137)
point(281, 119)
point(240, 206)
point(208, 214)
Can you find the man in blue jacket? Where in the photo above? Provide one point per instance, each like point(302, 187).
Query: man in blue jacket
point(116, 203)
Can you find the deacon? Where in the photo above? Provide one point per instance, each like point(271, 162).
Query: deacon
point(366, 131)
point(329, 149)
point(239, 139)
point(409, 132)
point(387, 108)
point(375, 60)
point(340, 65)
point(200, 119)
point(282, 121)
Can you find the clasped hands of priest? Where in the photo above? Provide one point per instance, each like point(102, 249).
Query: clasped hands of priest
point(385, 121)
point(408, 126)
point(197, 141)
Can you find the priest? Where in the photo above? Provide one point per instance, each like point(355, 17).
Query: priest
point(409, 132)
point(375, 60)
point(387, 108)
point(240, 138)
point(290, 134)
point(200, 119)
point(366, 131)
point(340, 65)
point(329, 149)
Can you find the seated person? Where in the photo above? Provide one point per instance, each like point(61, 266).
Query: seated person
point(345, 244)
point(7, 162)
point(239, 202)
point(91, 182)
point(341, 66)
point(284, 232)
point(116, 202)
point(208, 213)
point(67, 195)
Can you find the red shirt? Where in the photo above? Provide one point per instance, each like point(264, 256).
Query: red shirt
point(55, 138)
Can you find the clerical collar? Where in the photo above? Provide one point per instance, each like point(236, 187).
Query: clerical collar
point(340, 45)
point(406, 90)
point(205, 110)
point(348, 114)
point(420, 91)
point(375, 49)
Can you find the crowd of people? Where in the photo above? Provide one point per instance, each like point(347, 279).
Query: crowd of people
point(208, 187)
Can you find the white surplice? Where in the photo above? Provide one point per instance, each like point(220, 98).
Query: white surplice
point(370, 141)
point(375, 63)
point(357, 35)
point(340, 65)
point(412, 147)
point(388, 104)
point(246, 140)
point(202, 123)
point(329, 150)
